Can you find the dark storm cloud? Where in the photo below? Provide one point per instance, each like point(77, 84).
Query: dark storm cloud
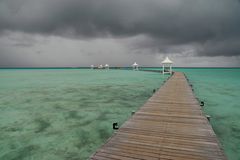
point(211, 24)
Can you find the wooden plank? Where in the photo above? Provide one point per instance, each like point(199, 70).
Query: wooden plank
point(170, 125)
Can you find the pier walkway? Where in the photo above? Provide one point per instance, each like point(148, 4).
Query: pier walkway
point(169, 126)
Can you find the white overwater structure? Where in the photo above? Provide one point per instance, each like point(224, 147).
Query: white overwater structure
point(92, 66)
point(167, 66)
point(100, 66)
point(106, 66)
point(135, 66)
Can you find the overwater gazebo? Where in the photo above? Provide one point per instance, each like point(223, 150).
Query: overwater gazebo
point(135, 66)
point(167, 66)
point(92, 66)
point(100, 66)
point(106, 66)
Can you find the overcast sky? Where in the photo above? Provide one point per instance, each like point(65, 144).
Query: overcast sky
point(71, 33)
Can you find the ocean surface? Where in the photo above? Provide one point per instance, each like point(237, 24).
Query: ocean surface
point(220, 90)
point(66, 114)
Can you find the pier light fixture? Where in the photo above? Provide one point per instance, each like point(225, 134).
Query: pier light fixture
point(167, 66)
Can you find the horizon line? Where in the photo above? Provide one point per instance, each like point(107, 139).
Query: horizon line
point(114, 67)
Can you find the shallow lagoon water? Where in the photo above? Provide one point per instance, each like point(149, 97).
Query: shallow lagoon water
point(57, 114)
point(220, 90)
point(68, 114)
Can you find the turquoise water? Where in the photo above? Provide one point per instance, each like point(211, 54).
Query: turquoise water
point(220, 90)
point(66, 114)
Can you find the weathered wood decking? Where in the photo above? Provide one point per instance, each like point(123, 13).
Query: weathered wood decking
point(169, 126)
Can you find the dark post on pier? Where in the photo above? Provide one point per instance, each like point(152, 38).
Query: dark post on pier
point(169, 126)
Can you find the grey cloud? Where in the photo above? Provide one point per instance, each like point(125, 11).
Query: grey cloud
point(211, 25)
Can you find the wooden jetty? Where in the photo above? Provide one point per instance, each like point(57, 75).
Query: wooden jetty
point(169, 126)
